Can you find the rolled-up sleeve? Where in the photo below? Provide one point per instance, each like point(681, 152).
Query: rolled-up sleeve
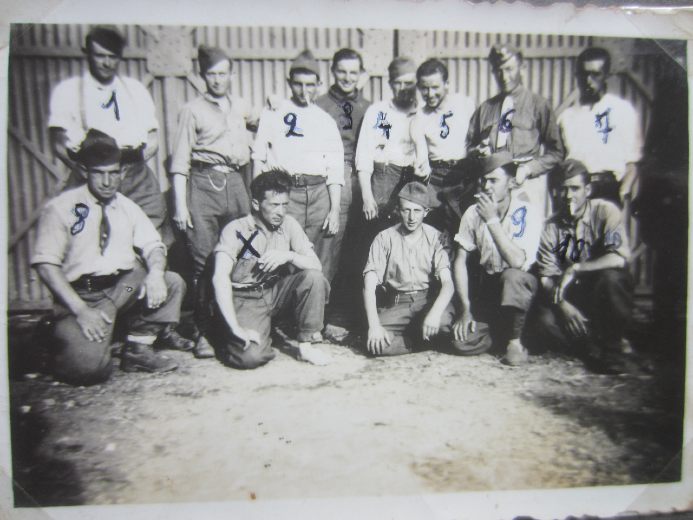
point(377, 257)
point(51, 239)
point(183, 142)
point(466, 236)
point(145, 238)
point(547, 259)
point(441, 260)
point(228, 242)
point(365, 148)
point(298, 240)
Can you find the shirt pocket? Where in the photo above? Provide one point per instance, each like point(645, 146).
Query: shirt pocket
point(525, 135)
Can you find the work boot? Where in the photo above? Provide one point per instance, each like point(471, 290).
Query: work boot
point(170, 339)
point(516, 354)
point(138, 357)
point(203, 349)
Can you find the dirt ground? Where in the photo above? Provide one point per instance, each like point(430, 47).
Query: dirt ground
point(424, 423)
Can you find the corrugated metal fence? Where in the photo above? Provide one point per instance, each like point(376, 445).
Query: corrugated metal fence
point(163, 58)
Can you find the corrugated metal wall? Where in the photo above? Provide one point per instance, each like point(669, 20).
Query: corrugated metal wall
point(43, 55)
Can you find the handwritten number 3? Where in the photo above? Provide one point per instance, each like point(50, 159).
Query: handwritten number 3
point(291, 121)
point(518, 219)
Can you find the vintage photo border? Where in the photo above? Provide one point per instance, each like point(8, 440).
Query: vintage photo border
point(405, 14)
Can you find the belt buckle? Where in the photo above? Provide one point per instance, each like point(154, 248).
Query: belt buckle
point(296, 178)
point(88, 283)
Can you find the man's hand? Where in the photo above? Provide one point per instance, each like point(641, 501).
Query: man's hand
point(94, 323)
point(273, 259)
point(483, 149)
point(331, 224)
point(575, 321)
point(370, 208)
point(154, 288)
point(487, 207)
point(422, 169)
point(522, 174)
point(563, 284)
point(378, 339)
point(182, 217)
point(464, 326)
point(247, 336)
point(431, 325)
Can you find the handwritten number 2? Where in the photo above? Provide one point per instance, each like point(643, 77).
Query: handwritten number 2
point(291, 121)
point(518, 218)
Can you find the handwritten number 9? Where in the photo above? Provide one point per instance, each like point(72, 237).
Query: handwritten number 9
point(518, 219)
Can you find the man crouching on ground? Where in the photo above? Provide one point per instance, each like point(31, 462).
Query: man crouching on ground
point(265, 266)
point(85, 254)
point(505, 228)
point(405, 259)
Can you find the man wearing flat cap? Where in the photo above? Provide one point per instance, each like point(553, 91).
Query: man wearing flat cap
point(210, 150)
point(518, 121)
point(504, 227)
point(587, 291)
point(302, 139)
point(86, 252)
point(118, 106)
point(409, 262)
point(385, 151)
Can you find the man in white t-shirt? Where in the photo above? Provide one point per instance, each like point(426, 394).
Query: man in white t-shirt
point(118, 106)
point(603, 130)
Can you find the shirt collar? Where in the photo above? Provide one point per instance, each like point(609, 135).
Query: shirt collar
point(113, 203)
point(209, 97)
point(89, 79)
point(442, 107)
point(257, 223)
point(337, 95)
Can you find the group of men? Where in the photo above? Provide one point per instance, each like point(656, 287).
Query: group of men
point(463, 229)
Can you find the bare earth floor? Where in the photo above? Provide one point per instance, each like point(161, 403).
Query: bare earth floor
point(424, 423)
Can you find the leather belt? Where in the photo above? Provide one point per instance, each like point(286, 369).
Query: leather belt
point(221, 168)
point(394, 297)
point(452, 163)
point(307, 180)
point(91, 283)
point(267, 284)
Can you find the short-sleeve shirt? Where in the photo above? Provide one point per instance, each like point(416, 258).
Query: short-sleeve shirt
point(445, 127)
point(246, 239)
point(69, 229)
point(300, 140)
point(521, 223)
point(604, 137)
point(407, 266)
point(124, 110)
point(597, 232)
point(385, 137)
point(348, 112)
point(210, 134)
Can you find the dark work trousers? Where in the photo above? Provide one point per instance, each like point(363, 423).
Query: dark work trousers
point(605, 186)
point(502, 301)
point(386, 182)
point(302, 295)
point(604, 297)
point(403, 315)
point(79, 361)
point(451, 194)
point(142, 187)
point(310, 205)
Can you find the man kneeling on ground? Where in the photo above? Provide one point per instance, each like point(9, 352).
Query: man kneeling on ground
point(406, 259)
point(505, 229)
point(85, 254)
point(587, 289)
point(265, 266)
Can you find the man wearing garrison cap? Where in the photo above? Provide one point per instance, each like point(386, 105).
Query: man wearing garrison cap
point(302, 139)
point(85, 253)
point(504, 227)
point(118, 106)
point(520, 122)
point(210, 150)
point(587, 290)
point(385, 151)
point(404, 260)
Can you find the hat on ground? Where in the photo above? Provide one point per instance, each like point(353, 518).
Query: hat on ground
point(572, 168)
point(97, 149)
point(108, 36)
point(502, 52)
point(208, 57)
point(488, 163)
point(417, 193)
point(305, 62)
point(400, 66)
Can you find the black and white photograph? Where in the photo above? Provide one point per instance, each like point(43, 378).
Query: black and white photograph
point(308, 262)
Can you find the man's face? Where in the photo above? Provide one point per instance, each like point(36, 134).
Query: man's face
point(496, 184)
point(303, 86)
point(591, 79)
point(404, 89)
point(104, 180)
point(433, 89)
point(411, 214)
point(103, 64)
point(346, 74)
point(217, 78)
point(575, 192)
point(508, 74)
point(272, 208)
